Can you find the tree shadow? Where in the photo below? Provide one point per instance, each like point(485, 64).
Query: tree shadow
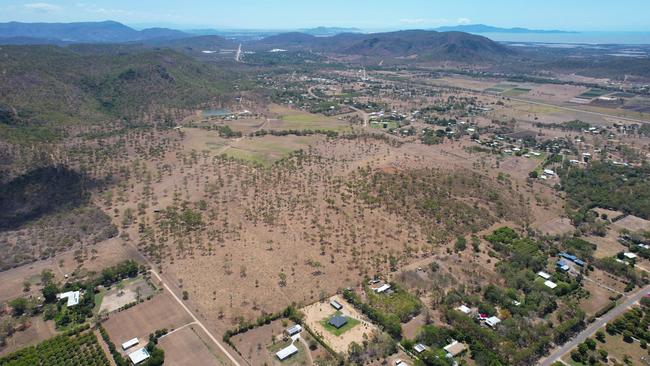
point(41, 192)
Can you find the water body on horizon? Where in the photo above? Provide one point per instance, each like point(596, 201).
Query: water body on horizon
point(631, 38)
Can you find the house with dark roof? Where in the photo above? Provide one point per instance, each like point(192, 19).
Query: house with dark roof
point(338, 321)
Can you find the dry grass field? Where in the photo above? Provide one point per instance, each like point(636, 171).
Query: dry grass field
point(145, 318)
point(632, 224)
point(598, 299)
point(191, 346)
point(268, 149)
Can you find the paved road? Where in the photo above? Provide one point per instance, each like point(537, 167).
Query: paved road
point(600, 322)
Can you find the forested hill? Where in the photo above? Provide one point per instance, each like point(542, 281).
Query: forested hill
point(428, 45)
point(46, 85)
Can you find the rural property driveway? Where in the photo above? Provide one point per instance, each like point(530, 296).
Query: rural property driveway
point(600, 322)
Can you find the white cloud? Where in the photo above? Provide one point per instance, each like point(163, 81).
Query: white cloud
point(42, 7)
point(464, 21)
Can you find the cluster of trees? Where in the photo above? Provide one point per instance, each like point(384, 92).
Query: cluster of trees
point(522, 258)
point(586, 353)
point(581, 248)
point(575, 125)
point(181, 220)
point(390, 323)
point(111, 275)
point(438, 203)
point(63, 315)
point(227, 132)
point(610, 186)
point(620, 269)
point(399, 302)
point(117, 356)
point(433, 137)
point(76, 347)
point(378, 346)
point(633, 324)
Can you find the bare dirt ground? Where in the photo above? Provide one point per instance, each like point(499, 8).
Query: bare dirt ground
point(556, 226)
point(632, 223)
point(116, 298)
point(145, 318)
point(38, 331)
point(598, 299)
point(253, 343)
point(607, 246)
point(411, 329)
point(555, 93)
point(606, 279)
point(190, 346)
point(322, 310)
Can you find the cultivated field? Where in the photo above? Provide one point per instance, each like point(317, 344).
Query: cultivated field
point(293, 119)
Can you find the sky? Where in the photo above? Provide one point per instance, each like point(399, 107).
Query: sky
point(578, 15)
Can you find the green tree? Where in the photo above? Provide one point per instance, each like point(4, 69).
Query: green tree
point(19, 306)
point(461, 244)
point(600, 336)
point(49, 292)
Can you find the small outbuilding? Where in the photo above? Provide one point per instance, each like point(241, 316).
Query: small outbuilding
point(383, 288)
point(336, 305)
point(419, 348)
point(550, 284)
point(287, 352)
point(130, 343)
point(455, 348)
point(629, 255)
point(543, 275)
point(464, 309)
point(291, 331)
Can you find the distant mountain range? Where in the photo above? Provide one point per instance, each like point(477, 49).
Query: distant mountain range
point(482, 28)
point(419, 44)
point(429, 45)
point(328, 31)
point(85, 32)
